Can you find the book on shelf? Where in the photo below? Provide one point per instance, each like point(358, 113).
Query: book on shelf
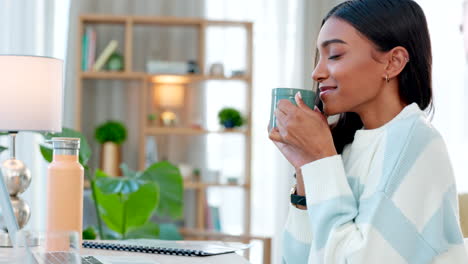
point(88, 48)
point(105, 54)
point(91, 56)
point(215, 218)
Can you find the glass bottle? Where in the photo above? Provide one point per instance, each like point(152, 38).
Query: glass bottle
point(65, 187)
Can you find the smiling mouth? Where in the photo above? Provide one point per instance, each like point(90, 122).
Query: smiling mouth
point(326, 88)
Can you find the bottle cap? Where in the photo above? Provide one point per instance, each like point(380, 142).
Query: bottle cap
point(65, 143)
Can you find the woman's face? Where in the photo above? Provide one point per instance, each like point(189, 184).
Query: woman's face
point(349, 73)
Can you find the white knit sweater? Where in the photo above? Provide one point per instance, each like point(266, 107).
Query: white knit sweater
point(389, 198)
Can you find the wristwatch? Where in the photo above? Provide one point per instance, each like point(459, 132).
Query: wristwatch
point(297, 199)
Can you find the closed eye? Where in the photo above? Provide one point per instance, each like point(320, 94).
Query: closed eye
point(334, 57)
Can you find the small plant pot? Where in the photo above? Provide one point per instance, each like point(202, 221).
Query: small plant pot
point(229, 124)
point(110, 158)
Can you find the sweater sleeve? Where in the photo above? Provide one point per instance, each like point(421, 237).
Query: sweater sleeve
point(297, 237)
point(411, 216)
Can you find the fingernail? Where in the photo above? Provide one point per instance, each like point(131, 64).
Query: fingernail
point(299, 94)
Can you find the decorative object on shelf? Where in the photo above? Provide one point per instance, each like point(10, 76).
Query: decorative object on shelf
point(193, 67)
point(230, 118)
point(111, 135)
point(211, 176)
point(185, 170)
point(33, 88)
point(115, 62)
point(196, 175)
point(152, 118)
point(168, 95)
point(125, 204)
point(217, 69)
point(168, 67)
point(237, 73)
point(232, 180)
point(168, 118)
point(105, 54)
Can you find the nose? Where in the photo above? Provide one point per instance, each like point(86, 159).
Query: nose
point(320, 72)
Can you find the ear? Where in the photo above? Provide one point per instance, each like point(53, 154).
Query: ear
point(397, 58)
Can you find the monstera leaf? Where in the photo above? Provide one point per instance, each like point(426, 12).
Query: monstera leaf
point(170, 183)
point(126, 204)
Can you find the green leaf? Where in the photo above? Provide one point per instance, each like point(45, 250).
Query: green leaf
point(46, 153)
point(2, 148)
point(148, 230)
point(137, 207)
point(170, 183)
point(85, 150)
point(169, 231)
point(117, 185)
point(127, 171)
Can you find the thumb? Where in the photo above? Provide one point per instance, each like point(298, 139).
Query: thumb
point(300, 103)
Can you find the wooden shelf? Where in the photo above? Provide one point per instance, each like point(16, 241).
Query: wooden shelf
point(189, 131)
point(202, 185)
point(108, 75)
point(163, 20)
point(146, 81)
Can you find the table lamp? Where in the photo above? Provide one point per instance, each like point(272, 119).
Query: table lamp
point(32, 92)
point(169, 95)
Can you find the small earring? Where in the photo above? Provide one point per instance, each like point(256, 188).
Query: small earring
point(386, 78)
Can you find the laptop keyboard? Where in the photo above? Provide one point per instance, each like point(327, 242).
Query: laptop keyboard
point(64, 258)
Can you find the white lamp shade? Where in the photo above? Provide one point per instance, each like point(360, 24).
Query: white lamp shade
point(31, 90)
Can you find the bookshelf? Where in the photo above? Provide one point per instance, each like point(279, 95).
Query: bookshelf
point(129, 26)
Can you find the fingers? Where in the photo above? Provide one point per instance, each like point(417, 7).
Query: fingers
point(275, 135)
point(285, 106)
point(300, 103)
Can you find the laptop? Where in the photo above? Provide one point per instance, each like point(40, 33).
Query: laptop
point(56, 257)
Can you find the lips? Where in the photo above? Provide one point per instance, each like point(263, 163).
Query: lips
point(324, 90)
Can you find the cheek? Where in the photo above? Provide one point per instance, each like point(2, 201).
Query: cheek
point(356, 76)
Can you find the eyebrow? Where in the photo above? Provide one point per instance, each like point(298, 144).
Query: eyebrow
point(331, 41)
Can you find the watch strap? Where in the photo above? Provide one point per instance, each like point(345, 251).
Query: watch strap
point(298, 200)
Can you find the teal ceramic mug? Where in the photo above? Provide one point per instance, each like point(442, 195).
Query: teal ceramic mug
point(308, 96)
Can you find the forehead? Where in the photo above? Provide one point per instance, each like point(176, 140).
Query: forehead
point(335, 28)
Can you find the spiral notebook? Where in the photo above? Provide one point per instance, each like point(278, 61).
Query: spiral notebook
point(181, 248)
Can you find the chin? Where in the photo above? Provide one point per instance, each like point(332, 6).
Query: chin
point(330, 110)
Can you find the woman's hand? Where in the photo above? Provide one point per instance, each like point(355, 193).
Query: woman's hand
point(302, 134)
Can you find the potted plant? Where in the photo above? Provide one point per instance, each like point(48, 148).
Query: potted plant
point(111, 135)
point(230, 118)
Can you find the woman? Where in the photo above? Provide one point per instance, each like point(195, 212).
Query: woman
point(378, 184)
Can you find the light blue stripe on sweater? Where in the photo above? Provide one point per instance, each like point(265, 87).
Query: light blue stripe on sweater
point(406, 140)
point(395, 228)
point(330, 214)
point(442, 230)
point(295, 251)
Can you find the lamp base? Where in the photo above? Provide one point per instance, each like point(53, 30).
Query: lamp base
point(5, 239)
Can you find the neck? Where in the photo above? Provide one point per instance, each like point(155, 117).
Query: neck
point(383, 108)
